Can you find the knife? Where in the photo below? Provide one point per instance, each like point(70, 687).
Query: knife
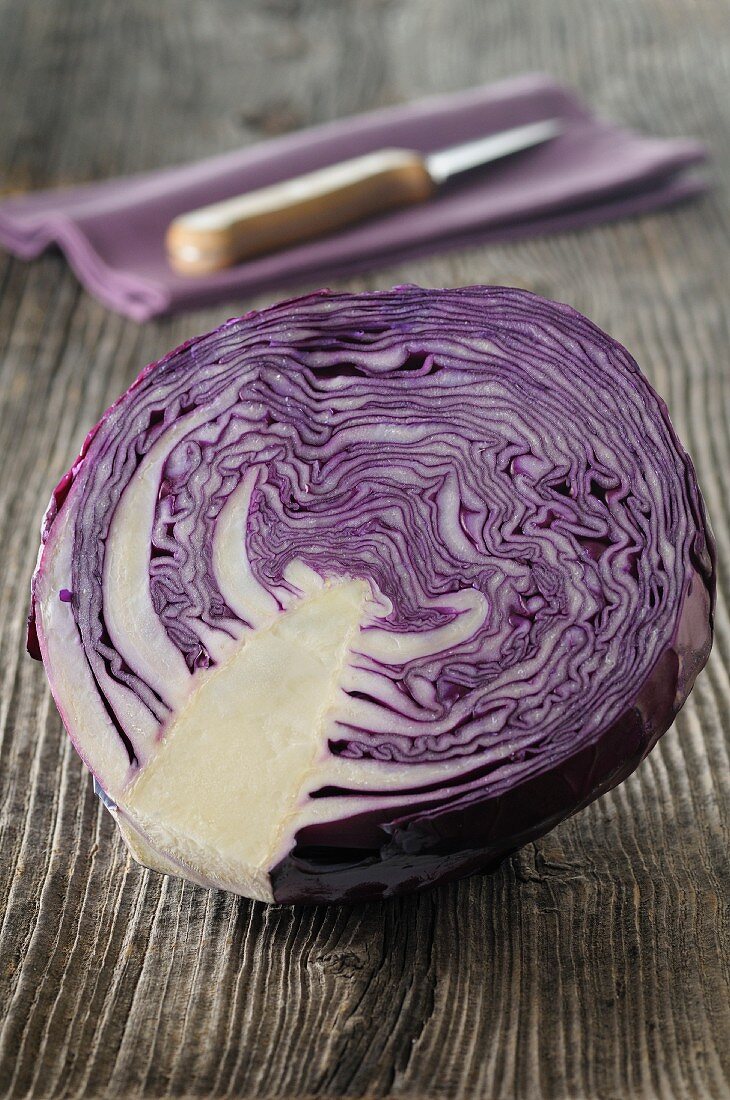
point(295, 210)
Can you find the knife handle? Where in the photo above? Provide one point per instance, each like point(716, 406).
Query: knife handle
point(296, 210)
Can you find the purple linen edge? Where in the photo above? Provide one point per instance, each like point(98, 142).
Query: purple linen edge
point(112, 232)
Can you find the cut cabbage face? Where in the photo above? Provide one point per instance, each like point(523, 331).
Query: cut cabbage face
point(362, 592)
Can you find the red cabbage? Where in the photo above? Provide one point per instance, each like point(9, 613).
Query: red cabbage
point(361, 593)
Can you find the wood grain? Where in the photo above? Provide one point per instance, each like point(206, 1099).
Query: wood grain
point(593, 965)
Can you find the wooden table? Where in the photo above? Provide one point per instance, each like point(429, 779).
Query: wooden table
point(595, 963)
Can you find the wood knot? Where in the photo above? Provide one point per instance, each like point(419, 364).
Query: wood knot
point(340, 962)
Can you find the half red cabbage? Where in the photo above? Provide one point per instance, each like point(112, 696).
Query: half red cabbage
point(361, 593)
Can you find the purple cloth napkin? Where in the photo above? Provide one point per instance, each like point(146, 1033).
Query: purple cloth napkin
point(112, 232)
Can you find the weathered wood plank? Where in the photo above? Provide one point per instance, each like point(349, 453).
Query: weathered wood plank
point(595, 964)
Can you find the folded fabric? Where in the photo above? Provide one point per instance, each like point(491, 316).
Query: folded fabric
point(113, 232)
